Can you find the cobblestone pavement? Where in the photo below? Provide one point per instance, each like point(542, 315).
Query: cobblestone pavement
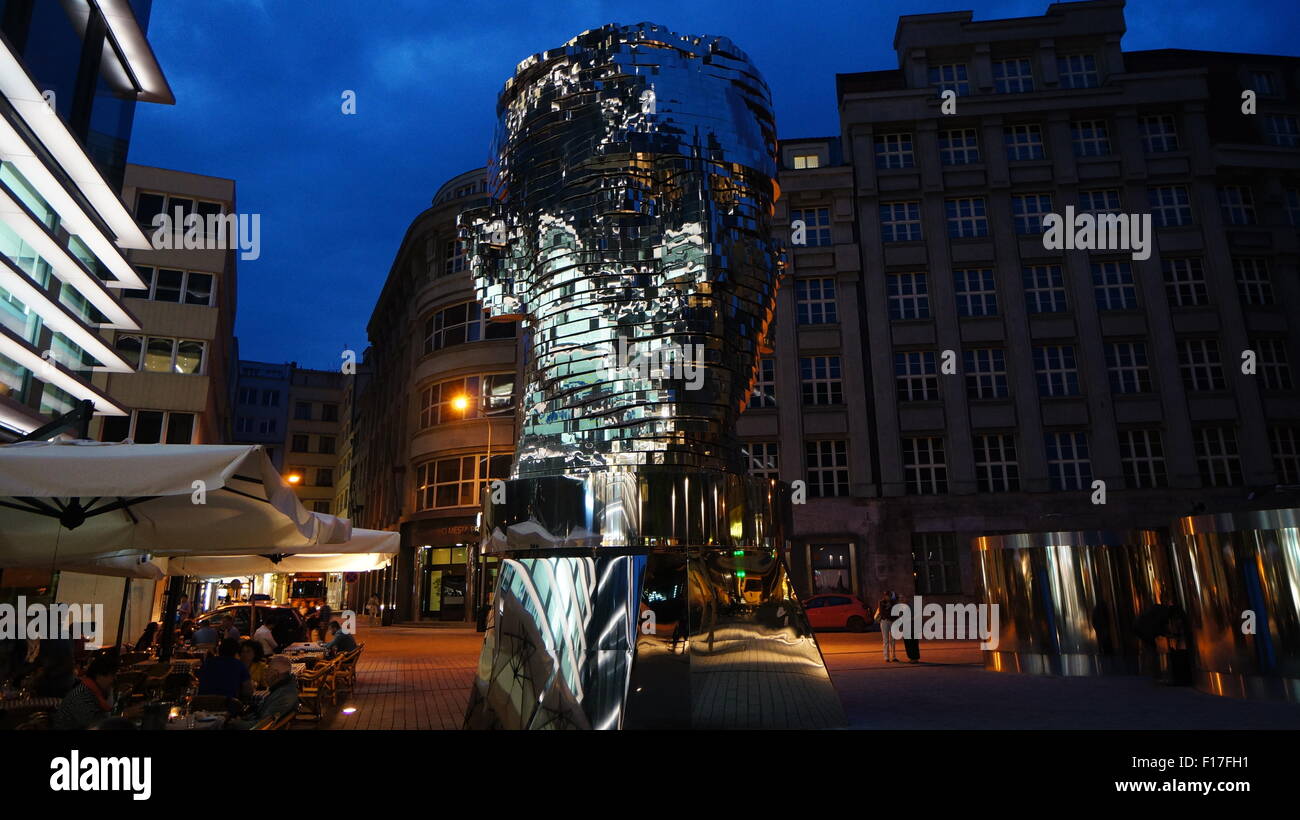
point(419, 678)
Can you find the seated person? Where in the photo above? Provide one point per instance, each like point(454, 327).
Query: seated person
point(340, 641)
point(250, 652)
point(205, 635)
point(228, 628)
point(150, 635)
point(281, 698)
point(92, 699)
point(225, 674)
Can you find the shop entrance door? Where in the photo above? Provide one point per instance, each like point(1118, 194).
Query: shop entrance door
point(431, 599)
point(453, 596)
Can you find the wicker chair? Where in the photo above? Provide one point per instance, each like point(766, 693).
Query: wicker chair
point(346, 674)
point(313, 686)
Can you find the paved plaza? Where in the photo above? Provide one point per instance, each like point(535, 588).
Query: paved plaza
point(419, 678)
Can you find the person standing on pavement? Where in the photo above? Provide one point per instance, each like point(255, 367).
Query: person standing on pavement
point(885, 617)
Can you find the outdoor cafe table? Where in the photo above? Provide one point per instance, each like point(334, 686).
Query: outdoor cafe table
point(197, 721)
point(304, 647)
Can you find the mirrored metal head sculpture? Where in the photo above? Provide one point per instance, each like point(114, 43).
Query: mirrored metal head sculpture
point(636, 173)
point(641, 580)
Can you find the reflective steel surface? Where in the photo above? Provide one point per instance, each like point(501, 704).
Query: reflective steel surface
point(1069, 602)
point(1234, 569)
point(641, 583)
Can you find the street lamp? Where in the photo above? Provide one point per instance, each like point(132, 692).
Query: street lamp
point(461, 403)
point(293, 478)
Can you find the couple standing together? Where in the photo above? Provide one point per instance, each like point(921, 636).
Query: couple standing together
point(885, 617)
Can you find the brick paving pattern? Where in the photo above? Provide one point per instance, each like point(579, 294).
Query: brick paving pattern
point(419, 678)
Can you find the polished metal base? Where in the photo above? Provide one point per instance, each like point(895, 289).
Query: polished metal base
point(688, 639)
point(1069, 665)
point(1248, 687)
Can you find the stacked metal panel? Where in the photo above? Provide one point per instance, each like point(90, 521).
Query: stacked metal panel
point(641, 581)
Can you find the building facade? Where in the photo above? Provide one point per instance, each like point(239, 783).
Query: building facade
point(1005, 379)
point(435, 421)
point(262, 407)
point(71, 78)
point(183, 354)
point(311, 442)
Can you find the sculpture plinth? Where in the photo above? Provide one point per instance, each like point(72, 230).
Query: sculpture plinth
point(641, 580)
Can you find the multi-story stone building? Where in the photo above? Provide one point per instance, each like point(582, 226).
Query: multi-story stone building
point(312, 435)
point(1067, 367)
point(936, 372)
point(262, 407)
point(436, 419)
point(182, 382)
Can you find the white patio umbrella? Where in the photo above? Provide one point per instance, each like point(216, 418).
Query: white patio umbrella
point(65, 502)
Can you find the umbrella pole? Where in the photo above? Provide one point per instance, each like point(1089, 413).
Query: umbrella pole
point(174, 589)
point(121, 616)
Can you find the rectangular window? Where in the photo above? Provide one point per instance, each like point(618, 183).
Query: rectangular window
point(1113, 286)
point(1044, 289)
point(950, 77)
point(329, 412)
point(828, 468)
point(1090, 138)
point(894, 151)
point(959, 146)
point(995, 463)
point(270, 398)
point(805, 161)
point(1068, 463)
point(1271, 362)
point(935, 566)
point(1102, 201)
point(302, 410)
point(764, 459)
point(150, 427)
point(765, 386)
point(299, 443)
point(976, 292)
point(1023, 142)
point(1292, 197)
point(1264, 83)
point(325, 445)
point(1028, 211)
point(324, 477)
point(900, 221)
point(1185, 282)
point(1142, 455)
point(1170, 206)
point(1057, 373)
point(909, 296)
point(916, 376)
point(967, 217)
point(461, 324)
point(1078, 71)
point(168, 285)
point(817, 225)
point(1015, 76)
point(1217, 457)
point(820, 380)
point(464, 398)
point(1283, 130)
point(453, 257)
point(986, 373)
point(1254, 284)
point(1237, 205)
point(248, 395)
point(1200, 365)
point(1159, 133)
point(815, 301)
point(1286, 453)
point(1129, 370)
point(925, 470)
point(458, 481)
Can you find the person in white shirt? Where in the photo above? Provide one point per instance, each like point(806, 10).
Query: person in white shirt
point(266, 639)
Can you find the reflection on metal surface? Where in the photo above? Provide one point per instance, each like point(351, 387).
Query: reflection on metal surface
point(641, 583)
point(1230, 565)
point(1070, 603)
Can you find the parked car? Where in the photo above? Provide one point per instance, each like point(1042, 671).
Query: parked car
point(835, 611)
point(285, 622)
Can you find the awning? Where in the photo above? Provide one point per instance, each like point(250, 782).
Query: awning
point(62, 502)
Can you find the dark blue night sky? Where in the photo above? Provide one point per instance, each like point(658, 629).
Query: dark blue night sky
point(258, 85)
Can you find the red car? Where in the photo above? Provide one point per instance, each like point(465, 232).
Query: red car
point(835, 611)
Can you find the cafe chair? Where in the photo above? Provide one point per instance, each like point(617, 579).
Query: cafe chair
point(284, 721)
point(265, 724)
point(346, 674)
point(313, 685)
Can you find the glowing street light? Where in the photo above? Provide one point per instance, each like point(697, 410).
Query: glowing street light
point(461, 402)
point(293, 478)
